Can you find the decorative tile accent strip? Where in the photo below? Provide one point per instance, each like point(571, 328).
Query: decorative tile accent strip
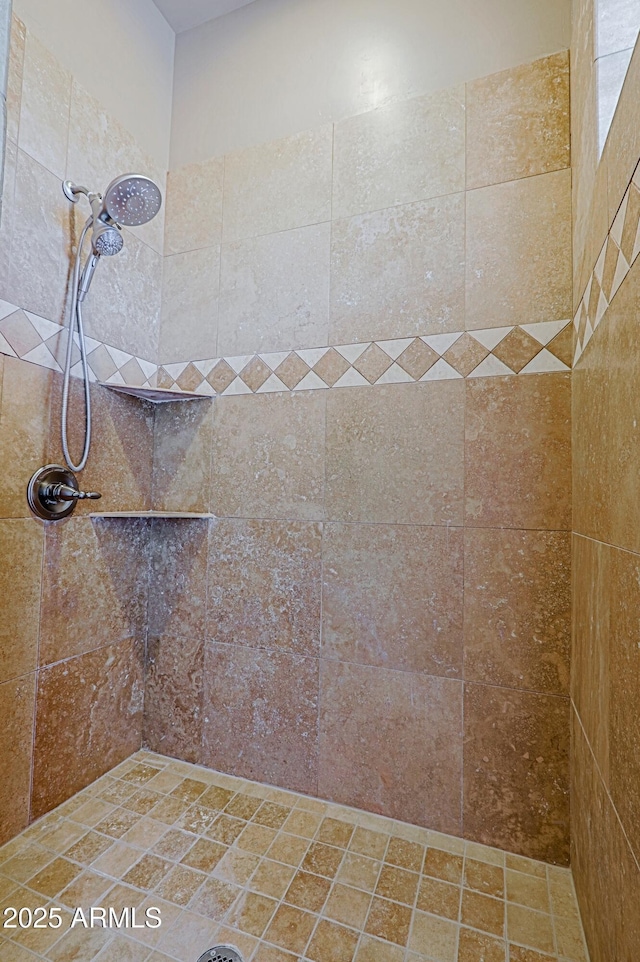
point(527, 349)
point(619, 251)
point(33, 338)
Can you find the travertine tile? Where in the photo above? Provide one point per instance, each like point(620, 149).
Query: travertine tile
point(624, 672)
point(290, 928)
point(182, 439)
point(392, 597)
point(89, 716)
point(484, 877)
point(278, 186)
point(104, 599)
point(268, 457)
point(189, 319)
point(279, 746)
point(16, 703)
point(15, 72)
point(425, 789)
point(434, 935)
point(517, 452)
point(398, 430)
point(21, 544)
point(518, 260)
point(385, 284)
point(482, 912)
point(397, 884)
point(24, 429)
point(193, 209)
point(44, 112)
point(405, 152)
point(513, 738)
point(517, 603)
point(264, 585)
point(476, 945)
point(439, 898)
point(126, 295)
point(389, 921)
point(518, 122)
point(333, 940)
point(274, 292)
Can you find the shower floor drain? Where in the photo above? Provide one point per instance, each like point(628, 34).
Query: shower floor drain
point(221, 953)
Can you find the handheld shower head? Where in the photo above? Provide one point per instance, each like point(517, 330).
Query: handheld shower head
point(132, 200)
point(106, 239)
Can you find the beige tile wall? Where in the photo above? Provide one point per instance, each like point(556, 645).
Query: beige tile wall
point(321, 635)
point(439, 214)
point(56, 130)
point(73, 597)
point(383, 555)
point(605, 847)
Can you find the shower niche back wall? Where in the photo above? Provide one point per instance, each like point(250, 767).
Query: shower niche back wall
point(379, 613)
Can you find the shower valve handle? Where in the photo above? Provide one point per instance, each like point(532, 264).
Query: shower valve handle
point(64, 492)
point(53, 493)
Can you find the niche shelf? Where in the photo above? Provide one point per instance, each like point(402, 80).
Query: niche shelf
point(176, 515)
point(155, 394)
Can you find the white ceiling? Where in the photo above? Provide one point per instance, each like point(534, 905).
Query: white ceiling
point(184, 14)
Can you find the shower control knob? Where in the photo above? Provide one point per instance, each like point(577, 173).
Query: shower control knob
point(53, 493)
point(64, 492)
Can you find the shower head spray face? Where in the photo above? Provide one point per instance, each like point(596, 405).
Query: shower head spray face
point(132, 200)
point(106, 240)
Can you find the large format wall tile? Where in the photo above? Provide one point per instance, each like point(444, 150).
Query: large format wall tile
point(178, 578)
point(517, 608)
point(16, 709)
point(518, 262)
point(15, 72)
point(24, 429)
point(123, 308)
point(624, 667)
point(392, 597)
point(268, 457)
point(94, 588)
point(591, 440)
point(516, 771)
point(88, 719)
point(391, 742)
point(399, 272)
point(605, 873)
point(40, 241)
point(591, 633)
point(278, 186)
point(182, 438)
point(261, 715)
point(21, 553)
point(176, 628)
point(190, 289)
point(100, 149)
point(399, 154)
point(44, 114)
point(173, 695)
point(518, 122)
point(621, 463)
point(274, 292)
point(264, 585)
point(120, 463)
point(395, 454)
point(517, 452)
point(193, 217)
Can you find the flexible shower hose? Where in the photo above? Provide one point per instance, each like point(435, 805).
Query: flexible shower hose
point(75, 322)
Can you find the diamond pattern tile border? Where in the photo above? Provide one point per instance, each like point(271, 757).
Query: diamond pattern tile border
point(619, 251)
point(526, 349)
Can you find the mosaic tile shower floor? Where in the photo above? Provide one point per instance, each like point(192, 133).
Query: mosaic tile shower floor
point(279, 875)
